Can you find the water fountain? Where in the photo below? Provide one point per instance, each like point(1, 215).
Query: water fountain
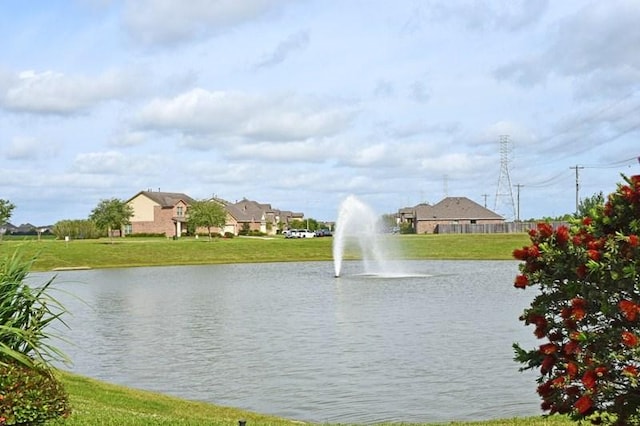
point(358, 222)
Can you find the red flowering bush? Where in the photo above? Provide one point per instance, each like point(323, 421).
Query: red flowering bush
point(587, 311)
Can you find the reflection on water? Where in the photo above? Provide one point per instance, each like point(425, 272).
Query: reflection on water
point(292, 340)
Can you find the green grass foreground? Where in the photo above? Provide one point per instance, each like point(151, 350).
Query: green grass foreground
point(97, 403)
point(128, 252)
point(100, 404)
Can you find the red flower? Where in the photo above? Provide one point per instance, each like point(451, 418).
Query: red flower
point(547, 364)
point(593, 254)
point(572, 369)
point(629, 339)
point(630, 370)
point(629, 310)
point(534, 251)
point(601, 371)
point(521, 281)
point(571, 347)
point(586, 221)
point(545, 230)
point(608, 208)
point(562, 235)
point(633, 240)
point(583, 404)
point(589, 379)
point(578, 308)
point(521, 254)
point(581, 271)
point(628, 193)
point(545, 389)
point(548, 348)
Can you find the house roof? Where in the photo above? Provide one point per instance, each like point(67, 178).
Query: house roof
point(450, 208)
point(165, 199)
point(461, 208)
point(252, 211)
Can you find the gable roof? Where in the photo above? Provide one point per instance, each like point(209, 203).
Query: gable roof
point(461, 208)
point(165, 199)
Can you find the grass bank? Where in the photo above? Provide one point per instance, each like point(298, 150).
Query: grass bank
point(100, 404)
point(127, 252)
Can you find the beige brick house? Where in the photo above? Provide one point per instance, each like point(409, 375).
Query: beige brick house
point(425, 218)
point(254, 216)
point(166, 213)
point(158, 213)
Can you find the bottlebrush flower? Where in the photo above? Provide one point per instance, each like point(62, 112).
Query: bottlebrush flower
point(583, 404)
point(521, 281)
point(629, 339)
point(629, 310)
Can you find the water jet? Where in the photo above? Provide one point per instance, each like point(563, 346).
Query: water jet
point(357, 222)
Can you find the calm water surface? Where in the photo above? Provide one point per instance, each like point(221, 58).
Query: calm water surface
point(291, 340)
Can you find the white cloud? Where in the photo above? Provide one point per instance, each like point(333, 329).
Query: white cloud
point(56, 93)
point(293, 43)
point(130, 138)
point(481, 15)
point(592, 42)
point(171, 22)
point(244, 115)
point(23, 148)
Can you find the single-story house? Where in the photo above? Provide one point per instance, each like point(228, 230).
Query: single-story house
point(425, 218)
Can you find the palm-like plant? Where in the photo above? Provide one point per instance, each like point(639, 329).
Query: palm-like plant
point(25, 314)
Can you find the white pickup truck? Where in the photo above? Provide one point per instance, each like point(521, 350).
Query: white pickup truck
point(299, 233)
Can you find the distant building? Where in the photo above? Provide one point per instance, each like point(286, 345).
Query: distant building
point(167, 213)
point(253, 216)
point(425, 218)
point(158, 213)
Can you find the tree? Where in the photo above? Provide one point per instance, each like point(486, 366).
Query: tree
point(207, 214)
point(111, 214)
point(589, 205)
point(6, 208)
point(587, 310)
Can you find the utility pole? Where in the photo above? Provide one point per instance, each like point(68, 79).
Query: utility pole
point(577, 168)
point(485, 199)
point(518, 186)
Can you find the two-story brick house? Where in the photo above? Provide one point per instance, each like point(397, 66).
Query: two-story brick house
point(158, 213)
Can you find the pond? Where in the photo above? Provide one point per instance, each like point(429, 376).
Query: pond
point(290, 339)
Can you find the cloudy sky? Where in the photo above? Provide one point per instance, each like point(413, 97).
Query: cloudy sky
point(302, 103)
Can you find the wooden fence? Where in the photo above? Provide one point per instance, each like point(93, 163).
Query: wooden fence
point(490, 228)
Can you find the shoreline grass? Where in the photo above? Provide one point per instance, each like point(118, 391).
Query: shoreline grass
point(98, 403)
point(131, 252)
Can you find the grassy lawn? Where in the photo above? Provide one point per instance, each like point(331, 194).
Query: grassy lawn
point(96, 403)
point(126, 252)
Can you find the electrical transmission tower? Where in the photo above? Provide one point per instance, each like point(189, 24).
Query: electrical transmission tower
point(504, 203)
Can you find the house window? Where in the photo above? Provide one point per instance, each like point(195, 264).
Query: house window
point(127, 229)
point(179, 211)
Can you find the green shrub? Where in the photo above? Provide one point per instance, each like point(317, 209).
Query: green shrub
point(147, 235)
point(30, 395)
point(587, 310)
point(78, 229)
point(229, 235)
point(25, 313)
